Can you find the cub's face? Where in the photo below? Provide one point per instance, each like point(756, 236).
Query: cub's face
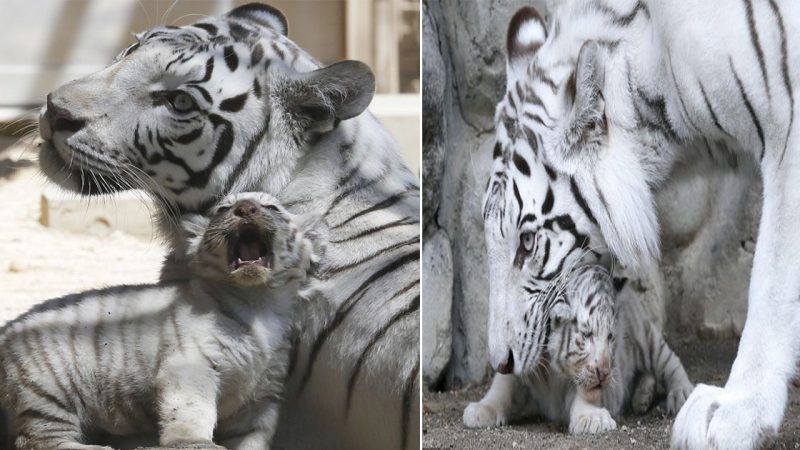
point(249, 240)
point(581, 344)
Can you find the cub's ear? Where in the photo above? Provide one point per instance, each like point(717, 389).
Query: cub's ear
point(586, 124)
point(561, 311)
point(263, 15)
point(194, 227)
point(526, 33)
point(325, 96)
point(314, 229)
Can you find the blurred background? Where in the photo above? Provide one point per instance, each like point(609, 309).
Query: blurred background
point(55, 243)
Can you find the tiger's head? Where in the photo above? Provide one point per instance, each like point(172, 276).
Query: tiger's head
point(583, 331)
point(560, 193)
point(182, 111)
point(249, 239)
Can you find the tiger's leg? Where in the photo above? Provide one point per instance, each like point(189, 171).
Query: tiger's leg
point(187, 401)
point(668, 369)
point(495, 408)
point(253, 434)
point(643, 394)
point(750, 407)
point(50, 432)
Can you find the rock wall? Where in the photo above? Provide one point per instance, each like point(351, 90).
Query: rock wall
point(708, 216)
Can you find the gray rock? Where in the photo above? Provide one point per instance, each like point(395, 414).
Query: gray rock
point(437, 286)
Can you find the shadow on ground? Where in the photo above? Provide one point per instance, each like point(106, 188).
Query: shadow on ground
point(706, 362)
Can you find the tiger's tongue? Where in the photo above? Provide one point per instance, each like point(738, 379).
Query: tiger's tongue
point(249, 251)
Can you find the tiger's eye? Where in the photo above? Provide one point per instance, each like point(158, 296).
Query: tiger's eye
point(183, 102)
point(527, 240)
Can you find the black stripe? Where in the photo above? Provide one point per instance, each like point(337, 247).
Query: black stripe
point(254, 144)
point(518, 197)
point(211, 29)
point(498, 151)
point(231, 59)
point(398, 316)
point(347, 305)
point(711, 109)
point(256, 88)
point(408, 394)
point(547, 206)
point(234, 104)
point(550, 172)
point(785, 72)
point(749, 106)
point(573, 187)
point(751, 25)
point(376, 207)
point(328, 273)
point(522, 165)
point(396, 223)
point(189, 137)
point(256, 54)
point(202, 91)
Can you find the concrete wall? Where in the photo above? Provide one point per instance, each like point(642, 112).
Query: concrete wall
point(708, 217)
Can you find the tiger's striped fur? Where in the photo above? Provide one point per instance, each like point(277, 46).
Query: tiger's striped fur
point(603, 357)
point(230, 104)
point(612, 93)
point(195, 361)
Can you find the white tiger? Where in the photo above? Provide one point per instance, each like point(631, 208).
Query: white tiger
point(603, 357)
point(612, 94)
point(230, 104)
point(195, 361)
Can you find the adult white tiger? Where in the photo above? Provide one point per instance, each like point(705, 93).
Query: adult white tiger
point(230, 104)
point(612, 93)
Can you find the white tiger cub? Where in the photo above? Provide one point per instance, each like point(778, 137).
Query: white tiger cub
point(199, 362)
point(599, 345)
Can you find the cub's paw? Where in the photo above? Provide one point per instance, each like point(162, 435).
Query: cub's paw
point(716, 418)
point(644, 394)
point(481, 415)
point(596, 420)
point(677, 395)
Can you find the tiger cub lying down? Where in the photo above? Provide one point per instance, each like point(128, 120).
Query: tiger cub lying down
point(599, 346)
point(193, 361)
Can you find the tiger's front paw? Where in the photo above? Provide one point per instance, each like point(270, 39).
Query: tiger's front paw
point(677, 395)
point(481, 415)
point(644, 394)
point(716, 418)
point(595, 420)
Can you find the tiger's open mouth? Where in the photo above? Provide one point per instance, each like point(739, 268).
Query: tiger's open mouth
point(250, 247)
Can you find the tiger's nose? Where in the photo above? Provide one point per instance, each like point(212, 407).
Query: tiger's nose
point(506, 367)
point(245, 208)
point(602, 372)
point(57, 117)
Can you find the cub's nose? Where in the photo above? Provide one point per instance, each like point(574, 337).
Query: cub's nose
point(245, 208)
point(602, 373)
point(506, 367)
point(57, 117)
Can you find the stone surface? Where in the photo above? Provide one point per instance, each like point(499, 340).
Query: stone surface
point(708, 216)
point(437, 285)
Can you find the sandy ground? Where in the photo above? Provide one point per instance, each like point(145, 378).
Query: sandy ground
point(38, 263)
point(706, 361)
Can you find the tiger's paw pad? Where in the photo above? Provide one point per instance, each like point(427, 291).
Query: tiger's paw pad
point(714, 418)
point(480, 415)
point(590, 422)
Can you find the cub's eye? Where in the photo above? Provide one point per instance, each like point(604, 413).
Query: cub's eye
point(223, 209)
point(270, 207)
point(587, 334)
point(610, 337)
point(183, 103)
point(527, 240)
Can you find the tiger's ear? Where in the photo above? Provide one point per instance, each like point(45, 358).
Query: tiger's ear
point(263, 15)
point(586, 123)
point(526, 33)
point(325, 96)
point(193, 227)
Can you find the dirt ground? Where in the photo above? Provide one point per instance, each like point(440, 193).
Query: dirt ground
point(706, 361)
point(38, 263)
